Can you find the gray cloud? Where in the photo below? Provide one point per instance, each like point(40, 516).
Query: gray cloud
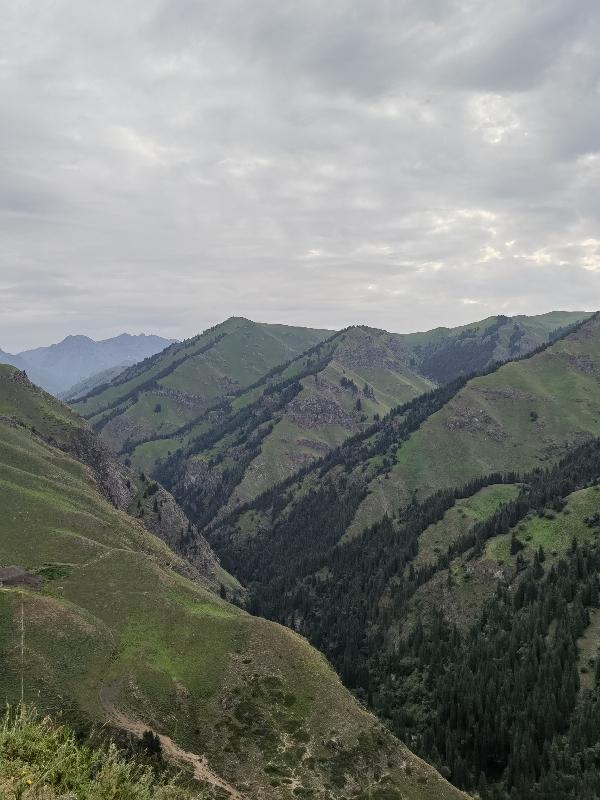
point(166, 164)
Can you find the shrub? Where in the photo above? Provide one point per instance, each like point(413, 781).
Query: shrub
point(42, 761)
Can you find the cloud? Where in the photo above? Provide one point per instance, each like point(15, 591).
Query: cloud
point(166, 164)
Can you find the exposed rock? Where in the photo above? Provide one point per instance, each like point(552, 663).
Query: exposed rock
point(365, 354)
point(584, 363)
point(506, 393)
point(121, 428)
point(473, 420)
point(170, 524)
point(314, 411)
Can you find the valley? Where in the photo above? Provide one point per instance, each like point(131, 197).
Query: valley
point(418, 506)
point(119, 626)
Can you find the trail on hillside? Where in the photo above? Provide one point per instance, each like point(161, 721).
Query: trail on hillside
point(200, 767)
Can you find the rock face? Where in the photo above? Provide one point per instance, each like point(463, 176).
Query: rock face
point(471, 420)
point(17, 576)
point(369, 352)
point(163, 517)
point(315, 411)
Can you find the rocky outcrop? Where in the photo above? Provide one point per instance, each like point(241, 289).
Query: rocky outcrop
point(473, 420)
point(314, 411)
point(165, 518)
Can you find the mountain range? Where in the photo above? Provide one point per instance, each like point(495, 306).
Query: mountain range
point(116, 627)
point(421, 509)
point(78, 364)
point(227, 415)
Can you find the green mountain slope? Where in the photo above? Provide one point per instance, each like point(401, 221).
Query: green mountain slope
point(116, 628)
point(388, 553)
point(520, 416)
point(190, 377)
point(219, 422)
point(445, 353)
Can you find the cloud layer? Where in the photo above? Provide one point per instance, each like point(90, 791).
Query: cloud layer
point(166, 164)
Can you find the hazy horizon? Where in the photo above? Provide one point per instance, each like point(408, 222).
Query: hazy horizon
point(148, 332)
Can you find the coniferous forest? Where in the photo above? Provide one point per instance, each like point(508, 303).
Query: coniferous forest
point(498, 705)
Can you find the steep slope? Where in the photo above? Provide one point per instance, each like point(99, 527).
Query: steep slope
point(398, 600)
point(445, 353)
point(160, 394)
point(284, 422)
point(58, 367)
point(517, 417)
point(58, 426)
point(238, 440)
point(115, 629)
point(92, 382)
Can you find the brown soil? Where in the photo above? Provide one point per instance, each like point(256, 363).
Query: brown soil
point(198, 763)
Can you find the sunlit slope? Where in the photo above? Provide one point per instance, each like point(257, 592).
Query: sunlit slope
point(524, 414)
point(462, 588)
point(115, 631)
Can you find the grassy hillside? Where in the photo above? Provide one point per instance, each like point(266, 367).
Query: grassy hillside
point(190, 377)
point(220, 420)
point(522, 415)
point(298, 411)
point(114, 630)
point(404, 610)
point(445, 353)
point(405, 534)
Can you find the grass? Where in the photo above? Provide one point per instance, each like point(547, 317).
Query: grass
point(554, 531)
point(460, 519)
point(242, 353)
point(40, 760)
point(488, 426)
point(115, 619)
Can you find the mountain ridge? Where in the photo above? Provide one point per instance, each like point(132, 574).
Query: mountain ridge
point(130, 632)
point(58, 367)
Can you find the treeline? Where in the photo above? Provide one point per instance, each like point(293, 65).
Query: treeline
point(347, 597)
point(245, 431)
point(149, 383)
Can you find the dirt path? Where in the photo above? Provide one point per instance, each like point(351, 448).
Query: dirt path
point(199, 764)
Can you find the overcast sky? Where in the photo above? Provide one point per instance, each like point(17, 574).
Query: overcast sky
point(165, 164)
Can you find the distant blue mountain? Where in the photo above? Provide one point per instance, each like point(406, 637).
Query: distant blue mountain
point(59, 367)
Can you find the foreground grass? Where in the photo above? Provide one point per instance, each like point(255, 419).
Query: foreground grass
point(41, 760)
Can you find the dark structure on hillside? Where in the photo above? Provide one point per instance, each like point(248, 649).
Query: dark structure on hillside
point(17, 576)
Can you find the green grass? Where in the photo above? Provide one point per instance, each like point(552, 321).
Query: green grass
point(488, 425)
point(41, 760)
point(114, 618)
point(554, 531)
point(459, 520)
point(243, 351)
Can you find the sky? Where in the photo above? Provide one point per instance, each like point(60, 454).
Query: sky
point(166, 164)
